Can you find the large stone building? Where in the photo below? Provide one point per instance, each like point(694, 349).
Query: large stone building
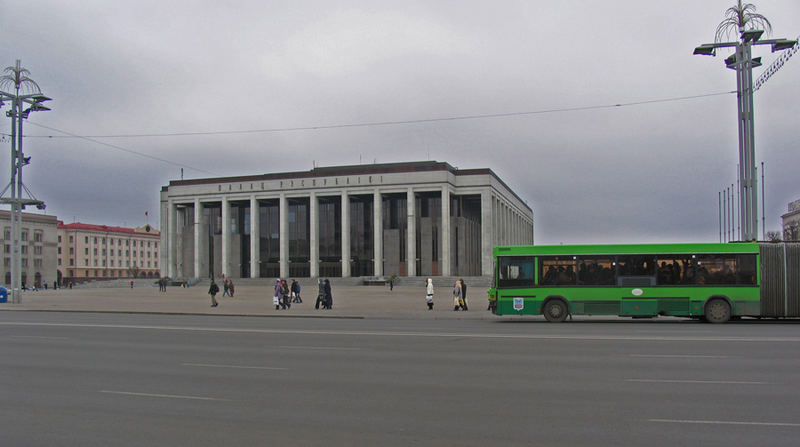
point(791, 222)
point(298, 217)
point(37, 249)
point(100, 252)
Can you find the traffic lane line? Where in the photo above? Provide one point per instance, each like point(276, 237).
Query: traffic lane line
point(163, 396)
point(686, 421)
point(589, 337)
point(211, 365)
point(720, 382)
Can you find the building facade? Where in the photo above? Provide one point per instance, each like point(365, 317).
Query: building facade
point(323, 222)
point(99, 252)
point(37, 249)
point(791, 222)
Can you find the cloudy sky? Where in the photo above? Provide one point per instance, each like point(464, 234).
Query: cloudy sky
point(646, 172)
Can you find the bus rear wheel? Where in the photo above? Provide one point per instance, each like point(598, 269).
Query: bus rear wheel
point(718, 311)
point(555, 311)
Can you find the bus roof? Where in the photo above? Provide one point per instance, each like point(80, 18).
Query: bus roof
point(624, 249)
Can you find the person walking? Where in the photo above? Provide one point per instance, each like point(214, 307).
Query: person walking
point(230, 287)
point(463, 294)
point(429, 293)
point(285, 295)
point(295, 289)
point(328, 295)
point(320, 294)
point(456, 296)
point(276, 297)
point(225, 289)
point(213, 289)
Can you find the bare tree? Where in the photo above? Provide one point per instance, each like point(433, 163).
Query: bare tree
point(740, 17)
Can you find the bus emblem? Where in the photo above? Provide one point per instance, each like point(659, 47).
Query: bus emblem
point(519, 304)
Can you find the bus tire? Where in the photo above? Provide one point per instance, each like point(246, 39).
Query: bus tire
point(718, 311)
point(555, 311)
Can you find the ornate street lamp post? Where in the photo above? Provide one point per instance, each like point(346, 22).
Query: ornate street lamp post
point(744, 20)
point(26, 97)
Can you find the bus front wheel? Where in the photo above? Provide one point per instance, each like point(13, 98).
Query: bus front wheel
point(555, 311)
point(718, 311)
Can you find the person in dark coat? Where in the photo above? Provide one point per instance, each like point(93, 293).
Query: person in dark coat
point(287, 303)
point(213, 289)
point(320, 294)
point(230, 287)
point(463, 294)
point(295, 289)
point(328, 295)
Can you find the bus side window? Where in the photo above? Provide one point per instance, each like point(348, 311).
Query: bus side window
point(515, 271)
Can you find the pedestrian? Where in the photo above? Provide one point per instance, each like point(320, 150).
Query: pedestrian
point(213, 289)
point(328, 295)
point(320, 294)
point(296, 292)
point(276, 298)
point(287, 303)
point(230, 287)
point(456, 296)
point(131, 284)
point(225, 288)
point(463, 294)
point(429, 293)
point(391, 283)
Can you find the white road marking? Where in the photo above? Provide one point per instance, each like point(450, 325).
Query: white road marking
point(163, 396)
point(588, 337)
point(38, 337)
point(767, 424)
point(209, 365)
point(681, 356)
point(321, 348)
point(723, 382)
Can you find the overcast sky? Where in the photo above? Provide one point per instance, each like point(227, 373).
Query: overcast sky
point(639, 173)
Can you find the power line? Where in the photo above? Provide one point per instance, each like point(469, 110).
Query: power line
point(378, 123)
point(120, 148)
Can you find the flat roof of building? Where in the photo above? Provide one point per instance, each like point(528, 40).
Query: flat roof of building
point(365, 169)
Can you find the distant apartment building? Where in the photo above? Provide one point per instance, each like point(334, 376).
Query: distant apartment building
point(100, 252)
point(791, 222)
point(37, 248)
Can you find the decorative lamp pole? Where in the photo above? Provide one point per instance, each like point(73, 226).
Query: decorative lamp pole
point(742, 19)
point(26, 97)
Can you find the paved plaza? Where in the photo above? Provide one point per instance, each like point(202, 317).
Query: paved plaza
point(349, 301)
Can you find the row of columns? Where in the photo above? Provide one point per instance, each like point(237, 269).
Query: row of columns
point(501, 225)
point(510, 226)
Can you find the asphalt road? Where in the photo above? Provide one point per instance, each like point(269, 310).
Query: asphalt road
point(165, 380)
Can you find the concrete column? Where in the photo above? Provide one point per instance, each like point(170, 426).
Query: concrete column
point(411, 248)
point(444, 269)
point(284, 236)
point(255, 238)
point(345, 235)
point(180, 222)
point(197, 226)
point(226, 236)
point(313, 220)
point(377, 231)
point(171, 223)
point(486, 232)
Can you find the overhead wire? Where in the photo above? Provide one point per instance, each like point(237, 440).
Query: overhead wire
point(388, 123)
point(93, 138)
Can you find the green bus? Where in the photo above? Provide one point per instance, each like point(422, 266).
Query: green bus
point(715, 282)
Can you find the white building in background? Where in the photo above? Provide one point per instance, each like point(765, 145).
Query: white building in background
point(290, 224)
point(38, 243)
point(791, 222)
